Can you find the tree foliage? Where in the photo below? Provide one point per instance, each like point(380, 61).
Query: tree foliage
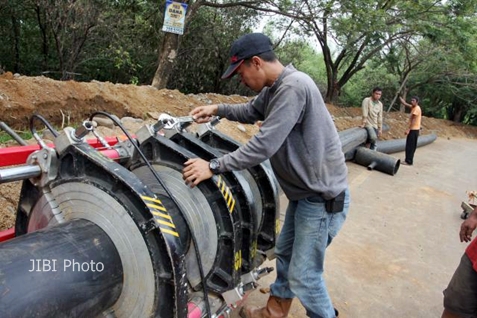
point(204, 53)
point(424, 47)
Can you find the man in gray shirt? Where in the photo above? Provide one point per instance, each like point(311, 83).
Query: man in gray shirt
point(373, 117)
point(299, 137)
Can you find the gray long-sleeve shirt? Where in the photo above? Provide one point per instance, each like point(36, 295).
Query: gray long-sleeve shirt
point(297, 135)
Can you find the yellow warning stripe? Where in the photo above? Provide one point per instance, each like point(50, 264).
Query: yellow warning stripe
point(254, 249)
point(238, 260)
point(166, 216)
point(151, 199)
point(158, 207)
point(226, 193)
point(163, 230)
point(166, 223)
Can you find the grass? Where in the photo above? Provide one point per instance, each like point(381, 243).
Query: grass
point(4, 137)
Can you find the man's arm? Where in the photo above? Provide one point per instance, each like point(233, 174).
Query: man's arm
point(404, 102)
point(261, 146)
point(273, 132)
point(244, 113)
point(468, 227)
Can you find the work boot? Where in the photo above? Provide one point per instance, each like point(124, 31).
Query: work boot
point(276, 308)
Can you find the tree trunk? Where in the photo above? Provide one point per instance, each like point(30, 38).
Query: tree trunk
point(457, 113)
point(16, 43)
point(167, 58)
point(333, 89)
point(396, 96)
point(402, 108)
point(44, 37)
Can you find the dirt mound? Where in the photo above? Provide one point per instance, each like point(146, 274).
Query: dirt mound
point(65, 103)
point(68, 102)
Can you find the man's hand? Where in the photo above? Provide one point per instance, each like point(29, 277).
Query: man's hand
point(380, 132)
point(195, 171)
point(204, 114)
point(468, 226)
point(407, 132)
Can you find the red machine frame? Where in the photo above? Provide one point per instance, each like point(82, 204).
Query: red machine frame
point(17, 155)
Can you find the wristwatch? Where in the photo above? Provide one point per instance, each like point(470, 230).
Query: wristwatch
point(214, 166)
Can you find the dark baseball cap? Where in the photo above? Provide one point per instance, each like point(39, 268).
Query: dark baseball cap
point(244, 47)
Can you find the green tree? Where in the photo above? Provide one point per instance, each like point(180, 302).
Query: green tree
point(204, 52)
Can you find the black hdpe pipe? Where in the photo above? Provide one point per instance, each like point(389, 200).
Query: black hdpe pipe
point(374, 160)
point(72, 269)
point(398, 145)
point(353, 138)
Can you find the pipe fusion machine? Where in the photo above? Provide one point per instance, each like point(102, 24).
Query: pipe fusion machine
point(109, 228)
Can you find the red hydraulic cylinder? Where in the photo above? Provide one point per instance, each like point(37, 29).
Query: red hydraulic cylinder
point(18, 155)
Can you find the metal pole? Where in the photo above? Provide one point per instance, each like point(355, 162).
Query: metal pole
point(19, 173)
point(13, 134)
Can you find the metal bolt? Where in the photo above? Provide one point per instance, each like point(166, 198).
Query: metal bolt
point(45, 156)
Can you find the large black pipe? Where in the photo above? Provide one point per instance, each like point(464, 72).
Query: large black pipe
point(398, 145)
point(377, 161)
point(68, 270)
point(354, 137)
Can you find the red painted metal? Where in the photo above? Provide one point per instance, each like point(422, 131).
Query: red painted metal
point(7, 234)
point(18, 155)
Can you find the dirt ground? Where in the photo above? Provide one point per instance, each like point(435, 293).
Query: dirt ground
point(65, 103)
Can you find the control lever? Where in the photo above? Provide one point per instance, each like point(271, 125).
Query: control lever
point(184, 121)
point(168, 122)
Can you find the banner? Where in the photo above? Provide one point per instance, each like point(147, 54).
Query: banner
point(174, 17)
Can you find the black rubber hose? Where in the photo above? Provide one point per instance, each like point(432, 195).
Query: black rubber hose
point(44, 121)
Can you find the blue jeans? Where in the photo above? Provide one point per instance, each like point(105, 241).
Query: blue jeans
point(307, 231)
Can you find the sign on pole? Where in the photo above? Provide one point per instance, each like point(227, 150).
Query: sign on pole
point(174, 17)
